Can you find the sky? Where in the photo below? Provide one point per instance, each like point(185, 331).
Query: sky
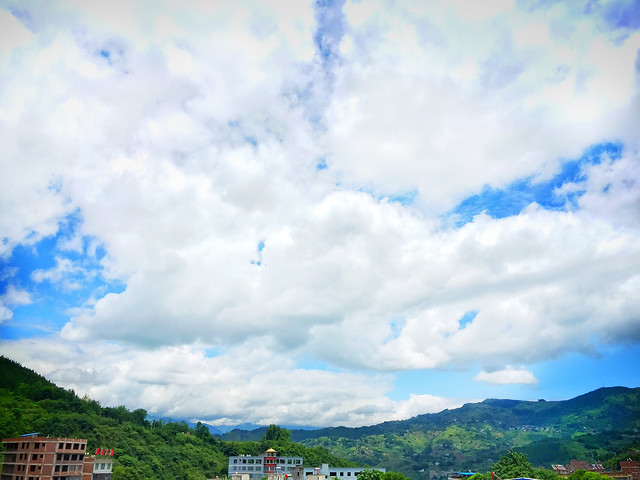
point(320, 213)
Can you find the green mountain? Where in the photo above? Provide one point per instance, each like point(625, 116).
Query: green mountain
point(594, 426)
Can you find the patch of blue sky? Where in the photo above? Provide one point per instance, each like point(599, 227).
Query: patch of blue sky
point(212, 352)
point(52, 290)
point(331, 28)
point(321, 164)
point(500, 203)
point(467, 318)
point(575, 373)
point(405, 198)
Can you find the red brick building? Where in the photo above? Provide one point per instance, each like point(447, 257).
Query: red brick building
point(45, 458)
point(631, 468)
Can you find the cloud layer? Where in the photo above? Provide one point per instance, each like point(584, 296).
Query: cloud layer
point(275, 188)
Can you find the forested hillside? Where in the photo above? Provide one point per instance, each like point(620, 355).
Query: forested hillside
point(594, 426)
point(142, 449)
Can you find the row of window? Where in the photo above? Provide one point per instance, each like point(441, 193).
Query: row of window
point(68, 468)
point(282, 461)
point(36, 445)
point(71, 446)
point(69, 456)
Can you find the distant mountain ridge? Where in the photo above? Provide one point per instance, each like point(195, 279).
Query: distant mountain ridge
point(592, 426)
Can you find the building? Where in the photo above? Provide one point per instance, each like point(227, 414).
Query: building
point(30, 457)
point(325, 471)
point(262, 465)
point(101, 464)
point(631, 468)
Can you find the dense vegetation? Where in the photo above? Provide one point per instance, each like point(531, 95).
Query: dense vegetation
point(595, 426)
point(602, 425)
point(143, 449)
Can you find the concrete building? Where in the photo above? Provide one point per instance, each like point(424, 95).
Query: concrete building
point(44, 458)
point(102, 466)
point(342, 473)
point(262, 465)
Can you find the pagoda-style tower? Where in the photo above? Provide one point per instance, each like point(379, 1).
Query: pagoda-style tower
point(270, 461)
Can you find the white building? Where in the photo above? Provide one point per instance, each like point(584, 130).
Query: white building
point(342, 473)
point(261, 466)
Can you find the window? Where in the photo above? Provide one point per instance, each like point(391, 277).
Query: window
point(251, 460)
point(289, 461)
point(68, 445)
point(36, 445)
point(259, 460)
point(348, 474)
point(235, 460)
point(342, 474)
point(61, 445)
point(82, 446)
point(32, 468)
point(76, 446)
point(333, 474)
point(74, 456)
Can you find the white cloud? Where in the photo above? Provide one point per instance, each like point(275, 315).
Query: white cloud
point(11, 298)
point(508, 376)
point(186, 141)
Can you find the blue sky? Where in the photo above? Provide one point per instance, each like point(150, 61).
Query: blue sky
point(353, 202)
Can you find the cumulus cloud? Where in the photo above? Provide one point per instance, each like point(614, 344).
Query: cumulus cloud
point(508, 376)
point(11, 298)
point(265, 202)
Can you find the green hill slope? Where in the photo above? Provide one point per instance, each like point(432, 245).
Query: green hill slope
point(593, 426)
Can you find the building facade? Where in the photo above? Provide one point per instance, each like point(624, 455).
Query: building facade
point(262, 465)
point(44, 458)
point(342, 473)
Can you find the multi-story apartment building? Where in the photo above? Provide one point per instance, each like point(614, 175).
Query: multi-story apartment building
point(31, 457)
point(262, 465)
point(44, 458)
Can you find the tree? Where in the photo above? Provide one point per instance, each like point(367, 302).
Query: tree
point(276, 434)
point(513, 465)
point(370, 474)
point(586, 475)
point(394, 476)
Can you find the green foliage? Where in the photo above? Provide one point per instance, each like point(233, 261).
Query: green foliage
point(394, 476)
point(513, 465)
point(545, 474)
point(370, 474)
point(586, 475)
point(276, 434)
